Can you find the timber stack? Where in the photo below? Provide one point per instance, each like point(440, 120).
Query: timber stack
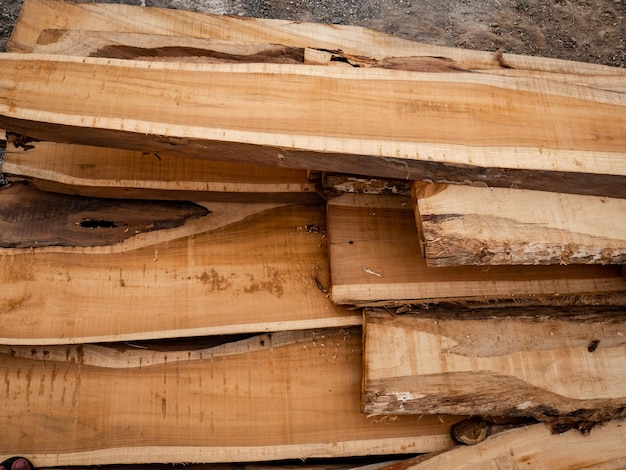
point(240, 240)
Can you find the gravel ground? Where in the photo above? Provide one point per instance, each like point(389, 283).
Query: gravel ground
point(584, 30)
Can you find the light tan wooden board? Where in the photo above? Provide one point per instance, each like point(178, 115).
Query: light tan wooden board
point(530, 127)
point(464, 225)
point(242, 268)
point(550, 364)
point(38, 15)
point(276, 396)
point(533, 447)
point(106, 172)
point(144, 46)
point(376, 259)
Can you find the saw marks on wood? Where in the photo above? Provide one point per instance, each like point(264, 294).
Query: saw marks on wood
point(476, 120)
point(284, 395)
point(555, 365)
point(106, 172)
point(464, 225)
point(376, 258)
point(241, 268)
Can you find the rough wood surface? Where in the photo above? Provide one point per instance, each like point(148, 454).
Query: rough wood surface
point(463, 225)
point(376, 258)
point(567, 138)
point(533, 447)
point(30, 218)
point(115, 173)
point(241, 268)
point(276, 396)
point(561, 366)
point(37, 15)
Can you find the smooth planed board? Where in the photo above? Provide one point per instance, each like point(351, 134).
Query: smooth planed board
point(115, 173)
point(241, 268)
point(376, 259)
point(463, 127)
point(558, 365)
point(464, 225)
point(533, 447)
point(290, 395)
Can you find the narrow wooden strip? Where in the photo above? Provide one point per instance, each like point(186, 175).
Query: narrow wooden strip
point(242, 268)
point(276, 396)
point(533, 447)
point(463, 225)
point(376, 258)
point(579, 130)
point(559, 366)
point(115, 173)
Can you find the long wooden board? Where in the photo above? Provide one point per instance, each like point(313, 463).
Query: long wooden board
point(241, 268)
point(533, 447)
point(564, 366)
point(463, 225)
point(376, 259)
point(275, 396)
point(536, 134)
point(37, 15)
point(115, 173)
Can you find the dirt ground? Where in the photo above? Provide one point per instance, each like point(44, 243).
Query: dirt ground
point(584, 30)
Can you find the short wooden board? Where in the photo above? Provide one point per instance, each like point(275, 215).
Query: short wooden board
point(376, 259)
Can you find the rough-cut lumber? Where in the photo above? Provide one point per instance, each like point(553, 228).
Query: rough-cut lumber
point(462, 127)
point(564, 366)
point(275, 396)
point(37, 15)
point(463, 225)
point(533, 447)
point(114, 173)
point(241, 268)
point(376, 258)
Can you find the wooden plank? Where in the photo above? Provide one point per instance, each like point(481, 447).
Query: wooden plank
point(287, 395)
point(533, 447)
point(376, 259)
point(463, 225)
point(563, 366)
point(37, 15)
point(115, 173)
point(566, 138)
point(241, 268)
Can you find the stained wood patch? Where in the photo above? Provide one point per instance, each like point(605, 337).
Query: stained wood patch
point(565, 368)
point(463, 225)
point(30, 218)
point(270, 397)
point(376, 259)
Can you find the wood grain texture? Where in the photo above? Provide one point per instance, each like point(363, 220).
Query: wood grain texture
point(562, 133)
point(552, 365)
point(115, 173)
point(533, 447)
point(242, 268)
point(45, 14)
point(463, 225)
point(376, 259)
point(275, 396)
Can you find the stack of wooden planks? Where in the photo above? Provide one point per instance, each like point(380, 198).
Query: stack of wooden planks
point(240, 240)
